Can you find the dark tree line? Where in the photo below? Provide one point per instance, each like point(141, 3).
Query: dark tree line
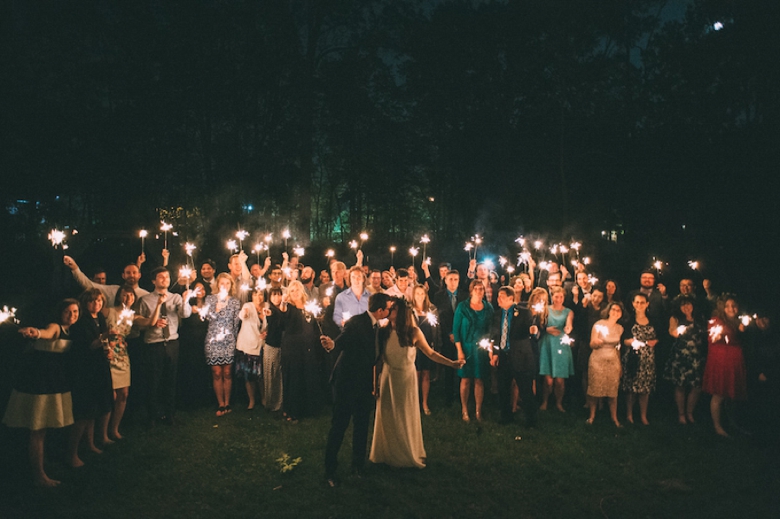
point(394, 116)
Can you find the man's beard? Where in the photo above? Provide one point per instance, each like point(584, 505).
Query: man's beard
point(306, 281)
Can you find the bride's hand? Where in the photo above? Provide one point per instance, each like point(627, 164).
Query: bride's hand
point(457, 364)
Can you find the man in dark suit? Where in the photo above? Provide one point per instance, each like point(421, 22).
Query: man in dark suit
point(446, 300)
point(352, 381)
point(514, 355)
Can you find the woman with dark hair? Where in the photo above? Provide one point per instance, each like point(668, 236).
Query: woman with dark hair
point(272, 355)
point(612, 293)
point(639, 341)
point(194, 382)
point(470, 325)
point(93, 394)
point(427, 320)
point(397, 439)
point(604, 364)
point(725, 377)
point(41, 399)
point(222, 313)
point(685, 367)
point(120, 319)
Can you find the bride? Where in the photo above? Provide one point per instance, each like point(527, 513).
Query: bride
point(397, 437)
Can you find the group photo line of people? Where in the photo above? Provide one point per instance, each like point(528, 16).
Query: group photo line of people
point(299, 342)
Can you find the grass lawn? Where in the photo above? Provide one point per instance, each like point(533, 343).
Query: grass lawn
point(227, 467)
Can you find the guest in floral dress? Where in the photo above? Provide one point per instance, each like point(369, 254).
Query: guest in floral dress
point(639, 341)
point(685, 367)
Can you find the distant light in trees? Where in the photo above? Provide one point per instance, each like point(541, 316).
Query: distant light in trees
point(430, 199)
point(717, 26)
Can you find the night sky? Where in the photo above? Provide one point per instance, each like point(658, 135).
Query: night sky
point(654, 119)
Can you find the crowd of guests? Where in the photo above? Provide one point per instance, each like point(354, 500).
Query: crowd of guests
point(530, 339)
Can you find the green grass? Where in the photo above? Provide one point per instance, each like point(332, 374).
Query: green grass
point(209, 467)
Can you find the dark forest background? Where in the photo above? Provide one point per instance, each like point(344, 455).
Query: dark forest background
point(395, 117)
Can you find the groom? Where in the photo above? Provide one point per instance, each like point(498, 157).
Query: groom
point(352, 382)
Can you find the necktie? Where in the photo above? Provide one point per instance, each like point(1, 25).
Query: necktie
point(504, 329)
point(453, 300)
point(166, 332)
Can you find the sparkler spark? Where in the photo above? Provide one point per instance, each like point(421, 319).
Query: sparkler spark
point(502, 261)
point(413, 251)
point(601, 329)
point(431, 318)
point(223, 294)
point(269, 237)
point(125, 317)
point(693, 264)
point(185, 272)
point(745, 319)
point(568, 341)
point(520, 241)
point(189, 247)
point(576, 245)
point(299, 251)
point(330, 253)
point(363, 236)
point(538, 244)
point(203, 312)
point(715, 332)
point(636, 344)
point(329, 291)
point(244, 287)
point(241, 235)
point(165, 227)
point(313, 308)
point(658, 265)
point(425, 239)
point(260, 284)
point(353, 244)
point(538, 307)
point(8, 315)
point(486, 344)
point(586, 260)
point(468, 246)
point(681, 329)
point(286, 234)
point(143, 233)
point(232, 245)
point(57, 238)
point(346, 316)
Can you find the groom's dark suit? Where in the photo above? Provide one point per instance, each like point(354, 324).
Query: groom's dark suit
point(352, 381)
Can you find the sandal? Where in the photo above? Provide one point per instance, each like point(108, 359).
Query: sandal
point(228, 409)
point(221, 411)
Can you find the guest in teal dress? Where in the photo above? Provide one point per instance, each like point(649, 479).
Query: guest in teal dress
point(471, 324)
point(556, 363)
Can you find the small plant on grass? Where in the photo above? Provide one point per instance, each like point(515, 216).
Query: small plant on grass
point(286, 464)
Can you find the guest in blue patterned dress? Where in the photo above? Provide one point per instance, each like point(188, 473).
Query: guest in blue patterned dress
point(556, 363)
point(222, 313)
point(470, 325)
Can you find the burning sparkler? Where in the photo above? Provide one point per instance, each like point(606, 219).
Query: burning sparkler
point(425, 240)
point(8, 315)
point(241, 235)
point(431, 318)
point(143, 234)
point(392, 255)
point(232, 246)
point(165, 227)
point(57, 239)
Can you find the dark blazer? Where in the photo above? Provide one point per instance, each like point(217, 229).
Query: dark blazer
point(441, 300)
point(356, 350)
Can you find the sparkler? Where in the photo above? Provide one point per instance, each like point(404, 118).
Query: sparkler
point(190, 248)
point(477, 243)
point(592, 279)
point(568, 341)
point(286, 236)
point(241, 235)
point(601, 329)
point(681, 329)
point(244, 287)
point(575, 246)
point(521, 241)
point(468, 248)
point(329, 254)
point(232, 246)
point(260, 284)
point(586, 260)
point(425, 240)
point(57, 239)
point(143, 234)
point(431, 318)
point(353, 245)
point(510, 269)
point(314, 310)
point(538, 244)
point(185, 272)
point(257, 249)
point(745, 319)
point(125, 317)
point(544, 266)
point(554, 250)
point(165, 227)
point(363, 238)
point(203, 312)
point(8, 315)
point(486, 344)
point(693, 264)
point(268, 238)
point(413, 253)
point(502, 261)
point(538, 308)
point(392, 255)
point(223, 294)
point(329, 291)
point(298, 251)
point(636, 344)
point(346, 316)
point(563, 250)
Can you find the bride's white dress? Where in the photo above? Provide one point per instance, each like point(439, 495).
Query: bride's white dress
point(398, 437)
